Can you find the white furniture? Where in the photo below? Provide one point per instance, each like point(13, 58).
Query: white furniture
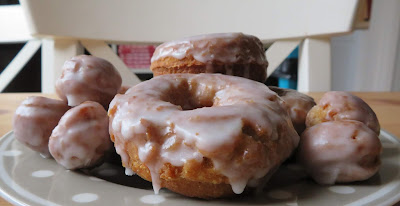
point(66, 26)
point(14, 29)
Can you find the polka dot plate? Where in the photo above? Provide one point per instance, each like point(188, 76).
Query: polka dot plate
point(28, 179)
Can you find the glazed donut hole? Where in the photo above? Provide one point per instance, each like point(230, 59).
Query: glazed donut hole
point(81, 138)
point(339, 151)
point(75, 137)
point(298, 104)
point(88, 78)
point(34, 120)
point(338, 105)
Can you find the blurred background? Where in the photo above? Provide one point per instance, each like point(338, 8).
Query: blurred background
point(367, 59)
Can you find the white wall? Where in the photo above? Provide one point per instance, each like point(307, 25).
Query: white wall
point(369, 60)
point(396, 76)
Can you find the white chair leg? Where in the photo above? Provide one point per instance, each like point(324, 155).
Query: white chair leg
point(54, 53)
point(278, 52)
point(101, 49)
point(314, 72)
point(19, 61)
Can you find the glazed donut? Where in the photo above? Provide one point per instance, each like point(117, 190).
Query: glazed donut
point(34, 120)
point(339, 151)
point(338, 105)
point(88, 78)
point(234, 54)
point(299, 105)
point(81, 138)
point(201, 135)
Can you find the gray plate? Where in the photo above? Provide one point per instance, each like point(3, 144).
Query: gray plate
point(28, 179)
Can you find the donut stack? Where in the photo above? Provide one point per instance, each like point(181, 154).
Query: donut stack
point(234, 54)
point(74, 130)
point(205, 126)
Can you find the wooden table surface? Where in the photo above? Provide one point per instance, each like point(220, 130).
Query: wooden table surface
point(385, 104)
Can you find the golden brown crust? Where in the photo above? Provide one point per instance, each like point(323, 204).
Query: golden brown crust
point(315, 116)
point(194, 179)
point(170, 65)
point(198, 189)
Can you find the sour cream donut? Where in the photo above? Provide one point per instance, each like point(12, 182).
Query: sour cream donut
point(201, 135)
point(234, 54)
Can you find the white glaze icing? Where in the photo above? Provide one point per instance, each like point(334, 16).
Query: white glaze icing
point(129, 172)
point(214, 47)
point(81, 138)
point(339, 151)
point(34, 120)
point(193, 129)
point(176, 152)
point(88, 78)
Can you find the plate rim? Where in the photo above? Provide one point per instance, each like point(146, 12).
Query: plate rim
point(16, 200)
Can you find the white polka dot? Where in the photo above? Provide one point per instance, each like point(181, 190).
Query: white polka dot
point(42, 173)
point(107, 172)
point(342, 189)
point(280, 194)
point(85, 197)
point(152, 199)
point(11, 153)
point(96, 179)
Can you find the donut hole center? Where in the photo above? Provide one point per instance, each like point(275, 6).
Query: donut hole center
point(187, 97)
